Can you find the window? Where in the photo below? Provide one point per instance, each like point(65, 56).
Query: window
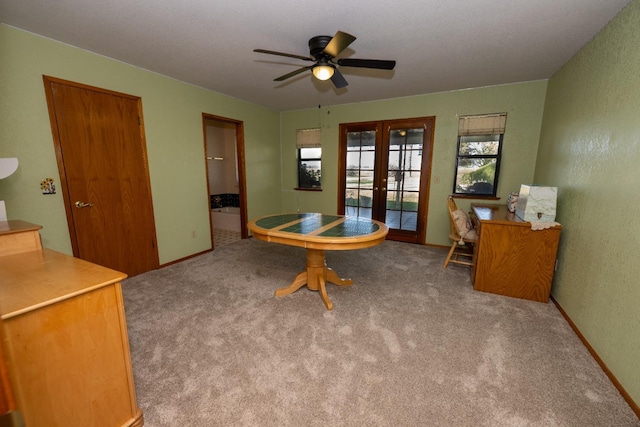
point(478, 154)
point(309, 158)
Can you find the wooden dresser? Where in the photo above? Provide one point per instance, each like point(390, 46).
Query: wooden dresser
point(64, 336)
point(510, 258)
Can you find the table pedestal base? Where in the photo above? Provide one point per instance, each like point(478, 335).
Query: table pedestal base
point(315, 277)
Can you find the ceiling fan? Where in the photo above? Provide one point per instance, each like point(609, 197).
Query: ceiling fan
point(323, 51)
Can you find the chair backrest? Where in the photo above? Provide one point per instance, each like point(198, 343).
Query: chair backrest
point(452, 207)
point(461, 227)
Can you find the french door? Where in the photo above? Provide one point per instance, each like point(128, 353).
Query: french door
point(384, 174)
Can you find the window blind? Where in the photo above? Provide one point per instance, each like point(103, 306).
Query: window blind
point(308, 138)
point(483, 124)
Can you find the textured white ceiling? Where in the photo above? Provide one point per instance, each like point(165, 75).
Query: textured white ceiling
point(438, 45)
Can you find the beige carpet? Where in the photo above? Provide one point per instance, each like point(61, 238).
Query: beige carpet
point(407, 345)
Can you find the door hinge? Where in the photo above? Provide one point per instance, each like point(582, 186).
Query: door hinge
point(139, 121)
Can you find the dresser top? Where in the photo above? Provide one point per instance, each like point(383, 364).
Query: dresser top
point(35, 279)
point(17, 226)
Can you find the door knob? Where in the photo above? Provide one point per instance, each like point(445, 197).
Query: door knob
point(80, 204)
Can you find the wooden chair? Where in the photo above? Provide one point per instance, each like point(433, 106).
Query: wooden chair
point(462, 234)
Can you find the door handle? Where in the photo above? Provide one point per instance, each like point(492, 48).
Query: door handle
point(80, 204)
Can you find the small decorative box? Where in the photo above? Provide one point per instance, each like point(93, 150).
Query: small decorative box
point(537, 203)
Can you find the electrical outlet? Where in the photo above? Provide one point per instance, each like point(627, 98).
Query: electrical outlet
point(436, 179)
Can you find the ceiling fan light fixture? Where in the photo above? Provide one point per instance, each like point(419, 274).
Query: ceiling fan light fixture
point(323, 72)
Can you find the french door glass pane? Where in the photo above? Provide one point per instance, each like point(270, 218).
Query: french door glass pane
point(361, 139)
point(403, 178)
point(360, 173)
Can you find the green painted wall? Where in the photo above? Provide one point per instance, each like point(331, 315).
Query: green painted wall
point(523, 103)
point(175, 143)
point(590, 149)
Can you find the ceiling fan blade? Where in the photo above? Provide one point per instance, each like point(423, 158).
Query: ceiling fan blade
point(367, 63)
point(338, 79)
point(338, 43)
point(293, 73)
point(289, 55)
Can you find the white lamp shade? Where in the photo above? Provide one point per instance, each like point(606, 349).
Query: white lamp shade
point(8, 165)
point(323, 72)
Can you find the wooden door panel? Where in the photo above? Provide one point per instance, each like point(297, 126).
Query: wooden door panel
point(407, 147)
point(102, 158)
point(358, 167)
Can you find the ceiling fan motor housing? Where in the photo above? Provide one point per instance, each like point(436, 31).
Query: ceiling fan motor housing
point(317, 45)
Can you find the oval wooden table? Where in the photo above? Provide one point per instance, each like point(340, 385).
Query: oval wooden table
point(317, 233)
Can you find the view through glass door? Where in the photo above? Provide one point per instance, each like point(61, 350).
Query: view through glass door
point(384, 174)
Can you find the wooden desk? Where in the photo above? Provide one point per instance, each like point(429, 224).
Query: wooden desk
point(510, 258)
point(317, 233)
point(64, 338)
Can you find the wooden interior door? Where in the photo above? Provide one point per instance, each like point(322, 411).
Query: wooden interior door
point(101, 152)
point(384, 174)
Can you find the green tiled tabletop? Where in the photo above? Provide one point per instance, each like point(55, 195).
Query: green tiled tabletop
point(351, 227)
point(310, 222)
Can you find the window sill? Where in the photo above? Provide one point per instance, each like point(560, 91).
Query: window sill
point(307, 189)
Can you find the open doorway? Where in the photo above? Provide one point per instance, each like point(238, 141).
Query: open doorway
point(224, 152)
